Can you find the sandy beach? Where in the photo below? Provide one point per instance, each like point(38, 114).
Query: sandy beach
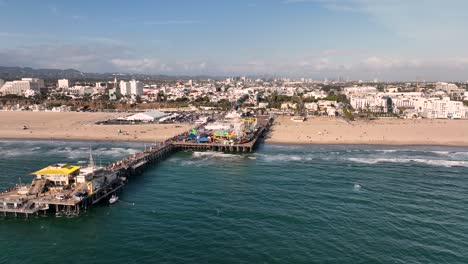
point(376, 132)
point(80, 126)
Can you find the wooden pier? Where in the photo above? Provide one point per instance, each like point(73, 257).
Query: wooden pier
point(15, 202)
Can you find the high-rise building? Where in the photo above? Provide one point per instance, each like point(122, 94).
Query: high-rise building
point(125, 88)
point(63, 83)
point(36, 84)
point(136, 88)
point(2, 82)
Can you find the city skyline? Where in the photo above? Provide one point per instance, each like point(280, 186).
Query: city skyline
point(359, 39)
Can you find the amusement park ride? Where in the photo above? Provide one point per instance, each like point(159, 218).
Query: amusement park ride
point(241, 132)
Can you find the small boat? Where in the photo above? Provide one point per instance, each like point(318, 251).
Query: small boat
point(114, 198)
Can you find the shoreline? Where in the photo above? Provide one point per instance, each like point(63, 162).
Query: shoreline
point(267, 142)
point(76, 126)
point(389, 144)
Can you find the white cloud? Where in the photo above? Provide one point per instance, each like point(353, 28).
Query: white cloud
point(53, 10)
point(141, 65)
point(172, 22)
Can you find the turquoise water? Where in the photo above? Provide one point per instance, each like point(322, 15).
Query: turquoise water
point(284, 204)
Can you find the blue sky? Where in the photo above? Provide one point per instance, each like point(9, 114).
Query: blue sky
point(360, 39)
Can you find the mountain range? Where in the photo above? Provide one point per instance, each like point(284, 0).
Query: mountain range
point(14, 73)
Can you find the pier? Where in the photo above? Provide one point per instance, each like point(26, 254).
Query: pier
point(99, 184)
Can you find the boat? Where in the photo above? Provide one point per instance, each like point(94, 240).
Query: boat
point(114, 198)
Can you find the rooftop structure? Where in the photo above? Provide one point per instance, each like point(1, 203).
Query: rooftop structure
point(149, 116)
point(59, 174)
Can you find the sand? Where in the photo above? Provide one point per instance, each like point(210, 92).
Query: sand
point(378, 132)
point(80, 126)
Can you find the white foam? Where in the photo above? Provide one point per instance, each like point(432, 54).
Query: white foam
point(388, 150)
point(78, 153)
point(13, 153)
point(282, 157)
point(433, 162)
point(213, 154)
point(437, 152)
point(34, 149)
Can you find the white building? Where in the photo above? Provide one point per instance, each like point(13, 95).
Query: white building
point(447, 87)
point(79, 90)
point(35, 83)
point(63, 83)
point(136, 88)
point(20, 87)
point(2, 82)
point(125, 88)
point(358, 90)
point(440, 108)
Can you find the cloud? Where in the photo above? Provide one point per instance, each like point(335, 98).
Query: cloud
point(334, 5)
point(77, 17)
point(54, 10)
point(91, 57)
point(11, 34)
point(112, 55)
point(144, 65)
point(172, 22)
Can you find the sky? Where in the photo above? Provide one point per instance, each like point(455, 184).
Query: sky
point(356, 39)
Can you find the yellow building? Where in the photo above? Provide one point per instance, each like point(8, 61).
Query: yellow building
point(59, 174)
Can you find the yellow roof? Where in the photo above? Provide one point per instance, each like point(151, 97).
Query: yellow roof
point(58, 169)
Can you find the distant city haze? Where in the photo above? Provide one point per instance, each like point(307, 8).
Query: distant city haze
point(347, 39)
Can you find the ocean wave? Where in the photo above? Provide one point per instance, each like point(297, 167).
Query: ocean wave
point(34, 149)
point(284, 157)
point(213, 154)
point(433, 162)
point(461, 154)
point(388, 150)
point(13, 153)
point(77, 153)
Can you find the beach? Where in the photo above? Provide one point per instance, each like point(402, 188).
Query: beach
point(81, 126)
point(322, 130)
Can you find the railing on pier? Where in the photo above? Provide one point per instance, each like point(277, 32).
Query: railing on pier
point(129, 166)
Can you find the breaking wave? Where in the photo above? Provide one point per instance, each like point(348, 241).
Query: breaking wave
point(433, 162)
point(213, 154)
point(284, 157)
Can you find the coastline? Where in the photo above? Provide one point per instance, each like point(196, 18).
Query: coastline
point(377, 143)
point(81, 127)
point(391, 132)
point(76, 126)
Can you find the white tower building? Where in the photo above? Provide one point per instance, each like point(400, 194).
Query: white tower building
point(125, 88)
point(136, 88)
point(63, 83)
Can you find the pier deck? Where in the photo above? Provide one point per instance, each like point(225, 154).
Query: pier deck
point(31, 199)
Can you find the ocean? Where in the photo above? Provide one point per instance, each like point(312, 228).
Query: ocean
point(282, 204)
